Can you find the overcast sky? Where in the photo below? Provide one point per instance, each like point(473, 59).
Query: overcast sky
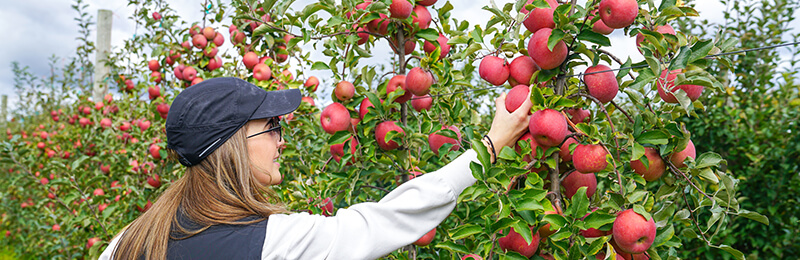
point(36, 30)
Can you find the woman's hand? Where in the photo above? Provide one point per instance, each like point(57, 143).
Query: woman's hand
point(508, 127)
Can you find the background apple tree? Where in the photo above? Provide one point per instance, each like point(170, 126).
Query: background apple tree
point(77, 170)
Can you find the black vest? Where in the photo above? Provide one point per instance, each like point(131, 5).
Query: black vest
point(221, 242)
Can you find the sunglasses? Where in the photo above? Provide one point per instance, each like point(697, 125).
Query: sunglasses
point(276, 128)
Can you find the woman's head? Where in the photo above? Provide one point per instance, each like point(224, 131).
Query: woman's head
point(264, 146)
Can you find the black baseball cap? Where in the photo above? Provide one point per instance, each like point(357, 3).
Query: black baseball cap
point(204, 116)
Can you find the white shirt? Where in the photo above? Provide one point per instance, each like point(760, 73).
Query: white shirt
point(367, 230)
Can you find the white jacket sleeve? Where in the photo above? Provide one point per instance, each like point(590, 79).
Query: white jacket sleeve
point(371, 230)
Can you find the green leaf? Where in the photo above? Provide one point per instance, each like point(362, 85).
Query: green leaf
point(682, 59)
point(638, 151)
point(465, 231)
point(700, 50)
point(635, 196)
point(708, 174)
point(555, 36)
point(429, 34)
point(309, 10)
point(708, 159)
point(754, 216)
point(666, 4)
point(537, 98)
point(524, 230)
point(339, 137)
point(593, 37)
point(320, 66)
point(261, 30)
point(597, 245)
point(483, 152)
point(556, 221)
point(664, 236)
point(655, 66)
point(639, 209)
point(653, 137)
point(597, 219)
point(580, 203)
point(736, 253)
point(451, 246)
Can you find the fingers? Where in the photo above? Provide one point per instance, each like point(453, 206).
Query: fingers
point(500, 102)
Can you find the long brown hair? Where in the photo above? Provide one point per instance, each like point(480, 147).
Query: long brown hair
point(220, 190)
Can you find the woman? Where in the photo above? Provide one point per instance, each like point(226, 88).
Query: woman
point(226, 132)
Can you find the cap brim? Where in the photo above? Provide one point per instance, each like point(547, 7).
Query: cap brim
point(278, 103)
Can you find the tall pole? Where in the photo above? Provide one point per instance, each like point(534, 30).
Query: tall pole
point(3, 108)
point(101, 71)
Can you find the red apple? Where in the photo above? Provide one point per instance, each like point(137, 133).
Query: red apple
point(548, 127)
point(143, 125)
point(668, 82)
point(540, 17)
point(426, 239)
point(429, 47)
point(677, 158)
point(155, 76)
point(56, 227)
point(154, 92)
point(395, 83)
point(214, 63)
point(381, 131)
point(494, 70)
point(541, 54)
point(380, 25)
point(521, 70)
point(602, 85)
point(655, 168)
point(534, 154)
point(210, 53)
point(189, 74)
point(262, 72)
point(337, 150)
point(156, 16)
point(599, 26)
point(308, 100)
point(199, 41)
point(91, 242)
point(662, 29)
point(327, 207)
point(579, 115)
point(514, 242)
point(421, 17)
point(153, 65)
point(281, 54)
point(589, 158)
point(400, 9)
point(344, 90)
point(471, 256)
point(618, 13)
point(516, 96)
point(154, 150)
point(154, 181)
point(99, 192)
point(575, 180)
point(421, 103)
point(436, 141)
point(44, 181)
point(564, 153)
point(363, 108)
point(419, 81)
point(426, 2)
point(335, 118)
point(632, 232)
point(250, 60)
point(311, 83)
point(237, 37)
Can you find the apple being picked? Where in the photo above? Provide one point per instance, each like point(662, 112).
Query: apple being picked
point(516, 96)
point(632, 232)
point(513, 241)
point(381, 132)
point(548, 127)
point(335, 118)
point(655, 167)
point(601, 82)
point(589, 158)
point(436, 141)
point(426, 239)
